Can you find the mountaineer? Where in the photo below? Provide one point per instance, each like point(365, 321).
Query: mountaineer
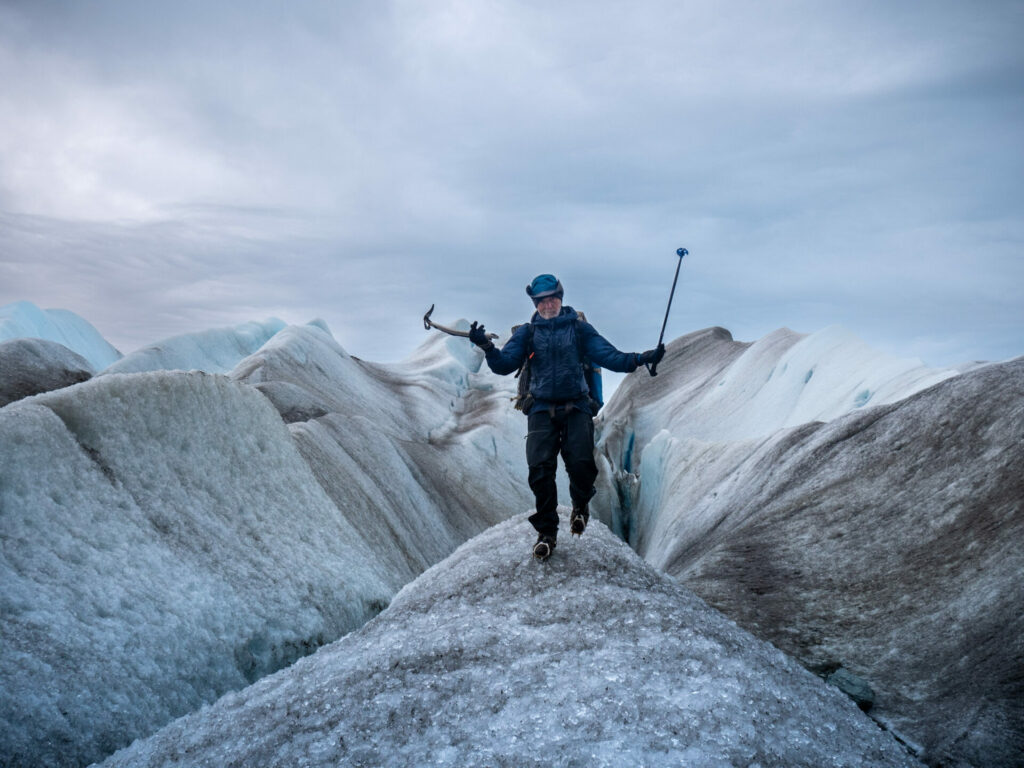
point(557, 345)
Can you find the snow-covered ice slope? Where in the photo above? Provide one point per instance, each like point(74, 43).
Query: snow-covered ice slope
point(163, 542)
point(214, 351)
point(33, 366)
point(491, 659)
point(722, 395)
point(419, 456)
point(721, 390)
point(888, 540)
point(168, 536)
point(24, 320)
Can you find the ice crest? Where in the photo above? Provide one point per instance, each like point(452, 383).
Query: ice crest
point(490, 658)
point(24, 320)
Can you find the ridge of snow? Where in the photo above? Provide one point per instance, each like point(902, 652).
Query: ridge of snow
point(492, 659)
point(880, 533)
point(164, 543)
point(401, 434)
point(176, 535)
point(33, 366)
point(217, 350)
point(743, 390)
point(23, 319)
point(718, 398)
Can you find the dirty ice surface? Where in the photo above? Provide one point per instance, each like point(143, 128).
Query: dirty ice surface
point(166, 536)
point(490, 658)
point(163, 542)
point(855, 509)
point(716, 400)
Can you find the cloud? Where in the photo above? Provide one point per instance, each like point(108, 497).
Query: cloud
point(171, 165)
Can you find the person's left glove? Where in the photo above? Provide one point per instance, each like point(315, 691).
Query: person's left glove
point(651, 356)
point(478, 336)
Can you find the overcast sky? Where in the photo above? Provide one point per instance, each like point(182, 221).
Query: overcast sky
point(168, 167)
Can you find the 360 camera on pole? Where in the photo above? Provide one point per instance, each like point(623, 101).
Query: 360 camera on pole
point(680, 252)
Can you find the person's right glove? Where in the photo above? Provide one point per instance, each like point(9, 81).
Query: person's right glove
point(479, 337)
point(651, 356)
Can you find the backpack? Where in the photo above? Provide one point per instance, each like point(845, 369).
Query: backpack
point(592, 373)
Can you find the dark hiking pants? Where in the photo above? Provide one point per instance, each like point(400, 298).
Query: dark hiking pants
point(571, 433)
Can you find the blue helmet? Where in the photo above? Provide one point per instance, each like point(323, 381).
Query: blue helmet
point(544, 286)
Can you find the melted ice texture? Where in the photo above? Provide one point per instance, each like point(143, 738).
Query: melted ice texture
point(490, 658)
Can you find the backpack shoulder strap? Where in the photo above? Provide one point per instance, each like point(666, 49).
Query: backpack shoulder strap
point(591, 372)
point(529, 346)
point(579, 338)
point(523, 399)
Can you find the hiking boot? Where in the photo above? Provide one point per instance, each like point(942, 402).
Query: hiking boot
point(578, 520)
point(544, 547)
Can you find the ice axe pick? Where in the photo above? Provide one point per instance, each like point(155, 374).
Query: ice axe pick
point(428, 324)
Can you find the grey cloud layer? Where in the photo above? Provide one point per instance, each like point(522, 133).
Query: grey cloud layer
point(859, 165)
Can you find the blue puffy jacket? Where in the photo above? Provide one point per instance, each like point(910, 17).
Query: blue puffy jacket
point(556, 371)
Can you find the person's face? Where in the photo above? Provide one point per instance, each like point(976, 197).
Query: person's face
point(549, 307)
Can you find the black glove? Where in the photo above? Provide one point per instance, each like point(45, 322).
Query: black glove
point(479, 337)
point(651, 356)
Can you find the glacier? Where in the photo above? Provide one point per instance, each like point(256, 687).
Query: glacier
point(166, 539)
point(883, 540)
point(32, 366)
point(164, 542)
point(180, 536)
point(492, 659)
point(24, 320)
point(214, 351)
point(421, 455)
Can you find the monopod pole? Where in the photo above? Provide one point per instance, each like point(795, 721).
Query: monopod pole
point(680, 252)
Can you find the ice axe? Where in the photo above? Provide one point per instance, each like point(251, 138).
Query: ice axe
point(428, 324)
point(680, 252)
